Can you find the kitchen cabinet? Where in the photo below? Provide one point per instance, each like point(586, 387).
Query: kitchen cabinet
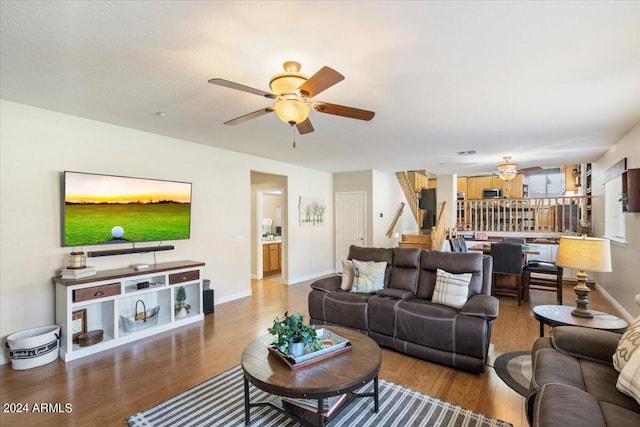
point(513, 189)
point(475, 186)
point(461, 184)
point(271, 255)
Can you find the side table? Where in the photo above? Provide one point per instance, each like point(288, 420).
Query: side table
point(560, 315)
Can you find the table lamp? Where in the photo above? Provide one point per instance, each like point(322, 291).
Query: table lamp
point(583, 253)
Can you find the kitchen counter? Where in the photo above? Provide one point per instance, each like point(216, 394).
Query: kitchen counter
point(269, 242)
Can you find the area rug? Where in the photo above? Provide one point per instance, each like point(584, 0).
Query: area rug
point(219, 401)
point(515, 370)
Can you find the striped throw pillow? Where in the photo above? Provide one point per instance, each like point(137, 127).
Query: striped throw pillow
point(451, 289)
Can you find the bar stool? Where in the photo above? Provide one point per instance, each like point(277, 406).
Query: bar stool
point(542, 280)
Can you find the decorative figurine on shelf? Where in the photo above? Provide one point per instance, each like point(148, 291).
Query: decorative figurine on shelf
point(182, 309)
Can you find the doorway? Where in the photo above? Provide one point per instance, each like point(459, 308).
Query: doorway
point(350, 223)
point(269, 219)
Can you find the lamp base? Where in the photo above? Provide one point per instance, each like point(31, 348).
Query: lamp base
point(582, 291)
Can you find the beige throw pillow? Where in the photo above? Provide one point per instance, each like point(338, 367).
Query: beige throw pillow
point(451, 289)
point(347, 275)
point(368, 276)
point(629, 379)
point(629, 343)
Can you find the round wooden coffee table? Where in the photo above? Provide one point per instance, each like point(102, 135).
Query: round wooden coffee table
point(560, 315)
point(332, 376)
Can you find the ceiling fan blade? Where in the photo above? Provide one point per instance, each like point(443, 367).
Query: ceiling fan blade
point(249, 116)
point(530, 171)
point(322, 80)
point(341, 110)
point(305, 127)
point(238, 86)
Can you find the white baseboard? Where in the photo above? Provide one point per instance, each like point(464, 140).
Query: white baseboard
point(309, 277)
point(232, 297)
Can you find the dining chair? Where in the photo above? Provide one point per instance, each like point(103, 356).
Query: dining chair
point(507, 263)
point(547, 276)
point(455, 244)
point(462, 244)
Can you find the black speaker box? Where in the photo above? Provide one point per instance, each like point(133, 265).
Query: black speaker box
point(207, 301)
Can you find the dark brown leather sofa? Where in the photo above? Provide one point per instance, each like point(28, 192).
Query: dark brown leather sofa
point(574, 382)
point(402, 316)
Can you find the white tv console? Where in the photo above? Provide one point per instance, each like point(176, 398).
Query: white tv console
point(109, 294)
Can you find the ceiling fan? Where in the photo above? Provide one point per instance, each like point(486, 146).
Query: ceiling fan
point(508, 170)
point(292, 92)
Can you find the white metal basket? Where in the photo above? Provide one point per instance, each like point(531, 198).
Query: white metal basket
point(150, 319)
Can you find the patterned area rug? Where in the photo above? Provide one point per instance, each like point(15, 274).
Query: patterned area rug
point(219, 401)
point(515, 370)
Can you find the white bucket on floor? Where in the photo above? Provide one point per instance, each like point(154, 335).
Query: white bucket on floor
point(34, 347)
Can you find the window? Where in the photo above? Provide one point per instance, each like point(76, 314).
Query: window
point(615, 225)
point(546, 184)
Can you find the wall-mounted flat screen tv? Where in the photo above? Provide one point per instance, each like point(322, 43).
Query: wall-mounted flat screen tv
point(101, 209)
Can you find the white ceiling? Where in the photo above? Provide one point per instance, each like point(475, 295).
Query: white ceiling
point(548, 83)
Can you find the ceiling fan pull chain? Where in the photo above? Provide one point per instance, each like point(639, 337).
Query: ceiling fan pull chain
point(294, 135)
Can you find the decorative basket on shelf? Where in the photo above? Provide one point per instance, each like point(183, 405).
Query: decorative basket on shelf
point(143, 319)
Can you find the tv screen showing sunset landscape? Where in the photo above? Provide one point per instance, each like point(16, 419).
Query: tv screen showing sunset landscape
point(101, 209)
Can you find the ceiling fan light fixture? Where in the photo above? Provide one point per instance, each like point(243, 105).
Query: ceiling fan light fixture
point(289, 81)
point(292, 110)
point(507, 175)
point(507, 170)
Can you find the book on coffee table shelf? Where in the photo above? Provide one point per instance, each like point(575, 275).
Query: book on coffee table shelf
point(330, 404)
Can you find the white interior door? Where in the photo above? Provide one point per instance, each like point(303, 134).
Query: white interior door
point(350, 223)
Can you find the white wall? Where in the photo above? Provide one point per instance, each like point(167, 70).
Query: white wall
point(36, 145)
point(622, 283)
point(384, 196)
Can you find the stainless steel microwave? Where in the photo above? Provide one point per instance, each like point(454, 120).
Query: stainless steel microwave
point(492, 193)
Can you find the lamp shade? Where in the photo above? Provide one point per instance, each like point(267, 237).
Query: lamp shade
point(584, 253)
point(507, 175)
point(292, 111)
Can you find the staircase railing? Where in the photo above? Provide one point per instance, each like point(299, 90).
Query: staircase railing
point(438, 232)
point(537, 215)
point(395, 220)
point(410, 195)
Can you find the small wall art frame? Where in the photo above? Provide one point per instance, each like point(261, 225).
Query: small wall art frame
point(78, 324)
point(311, 212)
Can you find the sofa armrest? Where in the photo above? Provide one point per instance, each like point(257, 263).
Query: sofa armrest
point(485, 306)
point(395, 294)
point(560, 405)
point(585, 343)
point(327, 284)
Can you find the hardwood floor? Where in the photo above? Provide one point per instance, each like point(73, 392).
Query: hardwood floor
point(104, 389)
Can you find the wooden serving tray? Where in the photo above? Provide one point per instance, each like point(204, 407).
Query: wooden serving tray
point(293, 366)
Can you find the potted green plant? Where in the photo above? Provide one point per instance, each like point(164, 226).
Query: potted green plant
point(181, 302)
point(292, 335)
point(624, 199)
